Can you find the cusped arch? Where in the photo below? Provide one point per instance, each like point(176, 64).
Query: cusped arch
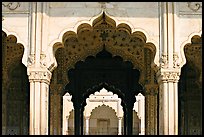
point(94, 106)
point(103, 105)
point(19, 41)
point(12, 53)
point(187, 42)
point(193, 54)
point(14, 50)
point(103, 33)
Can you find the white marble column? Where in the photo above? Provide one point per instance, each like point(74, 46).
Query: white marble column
point(39, 82)
point(168, 101)
point(87, 125)
point(67, 125)
point(120, 126)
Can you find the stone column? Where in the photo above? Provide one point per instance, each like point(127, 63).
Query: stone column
point(168, 101)
point(39, 90)
point(120, 126)
point(87, 125)
point(151, 93)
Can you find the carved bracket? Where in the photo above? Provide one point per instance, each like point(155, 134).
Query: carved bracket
point(176, 63)
point(164, 61)
point(31, 60)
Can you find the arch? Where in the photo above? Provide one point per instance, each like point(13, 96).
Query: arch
point(101, 92)
point(104, 24)
point(104, 106)
point(89, 40)
point(188, 41)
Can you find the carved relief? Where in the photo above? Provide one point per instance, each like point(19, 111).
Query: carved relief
point(168, 76)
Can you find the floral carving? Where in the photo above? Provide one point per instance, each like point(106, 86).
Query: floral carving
point(168, 76)
point(12, 5)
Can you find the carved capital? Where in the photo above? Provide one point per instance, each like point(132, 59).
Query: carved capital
point(40, 75)
point(168, 75)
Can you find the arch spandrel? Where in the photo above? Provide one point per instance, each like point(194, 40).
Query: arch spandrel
point(118, 40)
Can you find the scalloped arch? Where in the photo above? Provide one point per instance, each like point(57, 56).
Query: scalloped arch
point(104, 106)
point(188, 41)
point(11, 38)
point(17, 41)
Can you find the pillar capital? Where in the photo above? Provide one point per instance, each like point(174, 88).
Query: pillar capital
point(39, 74)
point(168, 75)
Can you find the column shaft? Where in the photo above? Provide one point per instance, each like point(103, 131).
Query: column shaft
point(119, 126)
point(87, 125)
point(37, 117)
point(32, 108)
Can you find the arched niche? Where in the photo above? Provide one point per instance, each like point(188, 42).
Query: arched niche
point(15, 88)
